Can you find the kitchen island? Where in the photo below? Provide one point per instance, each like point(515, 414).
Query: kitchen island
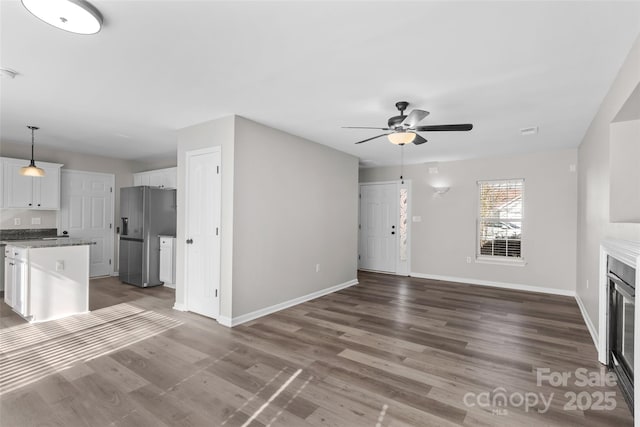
point(47, 279)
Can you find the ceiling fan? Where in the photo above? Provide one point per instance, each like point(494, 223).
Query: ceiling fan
point(404, 129)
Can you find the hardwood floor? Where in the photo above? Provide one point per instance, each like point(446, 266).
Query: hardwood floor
point(392, 351)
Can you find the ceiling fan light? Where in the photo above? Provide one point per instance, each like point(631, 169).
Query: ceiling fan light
point(75, 16)
point(401, 138)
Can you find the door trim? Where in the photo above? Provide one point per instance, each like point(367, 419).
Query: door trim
point(188, 155)
point(112, 232)
point(402, 268)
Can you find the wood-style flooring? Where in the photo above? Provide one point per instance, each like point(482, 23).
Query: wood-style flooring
point(392, 351)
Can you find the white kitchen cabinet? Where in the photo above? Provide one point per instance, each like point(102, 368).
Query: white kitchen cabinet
point(167, 261)
point(26, 192)
point(16, 279)
point(47, 279)
point(9, 276)
point(161, 178)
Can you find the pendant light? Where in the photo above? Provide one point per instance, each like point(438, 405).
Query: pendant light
point(32, 169)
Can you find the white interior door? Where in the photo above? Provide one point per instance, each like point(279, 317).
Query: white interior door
point(379, 226)
point(202, 231)
point(86, 212)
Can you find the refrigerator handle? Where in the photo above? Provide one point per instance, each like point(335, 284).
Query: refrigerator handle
point(125, 226)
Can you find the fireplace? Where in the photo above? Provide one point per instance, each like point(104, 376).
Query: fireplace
point(622, 292)
point(617, 337)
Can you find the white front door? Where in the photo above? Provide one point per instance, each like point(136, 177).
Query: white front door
point(202, 231)
point(379, 225)
point(86, 212)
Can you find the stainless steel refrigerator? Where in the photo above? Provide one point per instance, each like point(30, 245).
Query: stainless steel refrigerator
point(145, 213)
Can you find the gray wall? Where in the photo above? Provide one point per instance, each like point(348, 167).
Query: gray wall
point(442, 241)
point(213, 133)
point(594, 224)
point(295, 206)
point(287, 205)
point(122, 169)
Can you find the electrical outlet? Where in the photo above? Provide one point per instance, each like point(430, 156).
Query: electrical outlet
point(317, 268)
point(468, 260)
point(16, 221)
point(35, 221)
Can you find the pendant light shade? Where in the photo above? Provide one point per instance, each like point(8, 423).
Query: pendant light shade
point(75, 16)
point(32, 169)
point(401, 138)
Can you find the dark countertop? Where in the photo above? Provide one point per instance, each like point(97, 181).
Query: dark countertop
point(48, 243)
point(27, 234)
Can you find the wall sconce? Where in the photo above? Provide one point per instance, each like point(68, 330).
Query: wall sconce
point(439, 191)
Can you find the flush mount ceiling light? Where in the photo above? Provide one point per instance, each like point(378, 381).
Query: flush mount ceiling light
point(32, 169)
point(75, 16)
point(401, 138)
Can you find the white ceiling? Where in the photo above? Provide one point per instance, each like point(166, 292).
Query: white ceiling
point(309, 68)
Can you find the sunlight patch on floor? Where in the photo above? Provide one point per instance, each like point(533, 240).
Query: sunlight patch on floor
point(33, 351)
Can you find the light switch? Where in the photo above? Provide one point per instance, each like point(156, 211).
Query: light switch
point(16, 221)
point(59, 265)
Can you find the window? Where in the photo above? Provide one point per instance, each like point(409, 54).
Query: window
point(500, 218)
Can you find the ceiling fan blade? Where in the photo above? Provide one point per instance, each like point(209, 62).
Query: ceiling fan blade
point(415, 117)
point(369, 139)
point(445, 128)
point(362, 127)
point(419, 140)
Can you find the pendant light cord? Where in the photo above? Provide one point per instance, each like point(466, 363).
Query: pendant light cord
point(402, 164)
point(32, 144)
point(33, 138)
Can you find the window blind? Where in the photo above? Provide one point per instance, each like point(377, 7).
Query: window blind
point(500, 218)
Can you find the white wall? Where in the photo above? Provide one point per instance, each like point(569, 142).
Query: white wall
point(594, 224)
point(446, 236)
point(295, 206)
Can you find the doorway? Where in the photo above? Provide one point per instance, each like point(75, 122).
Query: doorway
point(384, 229)
point(87, 212)
point(202, 231)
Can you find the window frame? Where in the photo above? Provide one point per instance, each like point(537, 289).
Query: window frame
point(499, 259)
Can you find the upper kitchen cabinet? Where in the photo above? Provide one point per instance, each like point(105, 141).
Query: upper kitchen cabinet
point(161, 178)
point(25, 192)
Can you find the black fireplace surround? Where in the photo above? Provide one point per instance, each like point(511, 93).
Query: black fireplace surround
point(622, 292)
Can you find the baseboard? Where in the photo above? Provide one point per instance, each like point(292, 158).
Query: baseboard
point(587, 320)
point(179, 306)
point(513, 286)
point(225, 321)
point(281, 306)
point(169, 285)
point(115, 274)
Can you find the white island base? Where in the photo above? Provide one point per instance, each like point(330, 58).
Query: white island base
point(54, 282)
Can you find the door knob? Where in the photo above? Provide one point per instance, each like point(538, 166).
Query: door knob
point(189, 241)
